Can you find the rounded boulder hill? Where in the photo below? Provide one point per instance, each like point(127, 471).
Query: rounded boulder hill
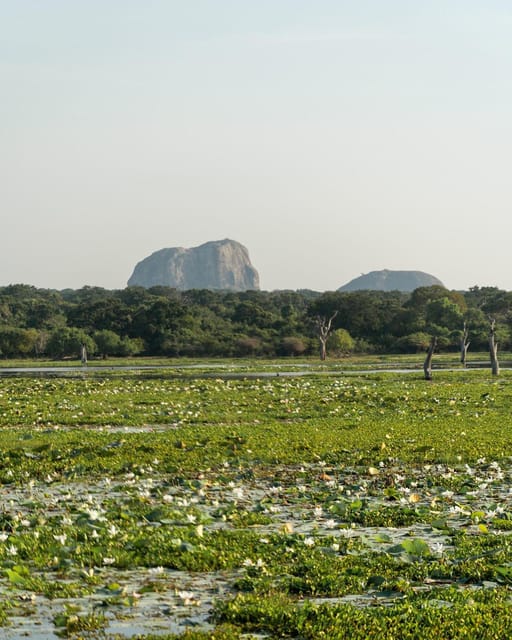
point(221, 264)
point(387, 280)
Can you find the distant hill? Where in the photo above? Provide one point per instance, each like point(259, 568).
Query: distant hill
point(387, 280)
point(220, 264)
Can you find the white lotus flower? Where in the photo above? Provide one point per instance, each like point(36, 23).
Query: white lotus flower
point(188, 597)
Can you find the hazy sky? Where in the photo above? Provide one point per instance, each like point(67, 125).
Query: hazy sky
point(330, 137)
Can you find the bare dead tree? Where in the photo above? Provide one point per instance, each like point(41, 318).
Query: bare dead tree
point(324, 327)
point(427, 365)
point(493, 348)
point(83, 355)
point(464, 344)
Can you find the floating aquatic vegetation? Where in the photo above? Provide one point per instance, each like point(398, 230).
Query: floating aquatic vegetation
point(256, 495)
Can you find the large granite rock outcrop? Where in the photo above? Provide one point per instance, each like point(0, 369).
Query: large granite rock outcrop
point(387, 280)
point(221, 264)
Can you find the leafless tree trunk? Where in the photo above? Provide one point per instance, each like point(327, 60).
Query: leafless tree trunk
point(493, 348)
point(83, 355)
point(324, 326)
point(464, 344)
point(41, 342)
point(427, 365)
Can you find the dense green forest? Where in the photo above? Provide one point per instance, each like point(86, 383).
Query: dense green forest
point(165, 322)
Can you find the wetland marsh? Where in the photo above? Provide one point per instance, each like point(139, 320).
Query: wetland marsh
point(317, 506)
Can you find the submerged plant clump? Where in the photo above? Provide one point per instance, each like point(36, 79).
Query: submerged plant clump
point(289, 507)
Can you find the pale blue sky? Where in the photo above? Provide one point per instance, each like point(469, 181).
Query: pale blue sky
point(329, 137)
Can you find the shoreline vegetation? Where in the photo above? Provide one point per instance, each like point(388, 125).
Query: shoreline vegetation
point(310, 364)
point(166, 323)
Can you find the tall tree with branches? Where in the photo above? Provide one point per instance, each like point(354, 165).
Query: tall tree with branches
point(324, 328)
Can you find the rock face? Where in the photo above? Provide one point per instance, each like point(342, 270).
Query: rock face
point(222, 264)
point(387, 280)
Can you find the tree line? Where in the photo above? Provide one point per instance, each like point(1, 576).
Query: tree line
point(161, 321)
